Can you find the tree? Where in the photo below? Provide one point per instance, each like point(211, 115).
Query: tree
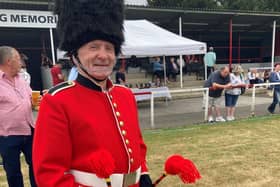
point(184, 3)
point(252, 5)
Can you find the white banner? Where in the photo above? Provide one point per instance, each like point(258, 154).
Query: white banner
point(27, 19)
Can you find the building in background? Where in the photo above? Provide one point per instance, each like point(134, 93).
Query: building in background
point(251, 31)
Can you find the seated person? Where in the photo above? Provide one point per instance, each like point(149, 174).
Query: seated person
point(158, 68)
point(120, 76)
point(172, 69)
point(266, 76)
point(254, 77)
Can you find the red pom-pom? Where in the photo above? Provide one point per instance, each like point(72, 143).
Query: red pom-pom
point(184, 168)
point(173, 164)
point(102, 163)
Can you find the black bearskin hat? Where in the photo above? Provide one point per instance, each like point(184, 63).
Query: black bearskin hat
point(81, 21)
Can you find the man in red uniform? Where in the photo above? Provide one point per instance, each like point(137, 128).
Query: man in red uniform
point(79, 119)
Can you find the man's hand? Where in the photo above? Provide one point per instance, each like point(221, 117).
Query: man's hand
point(228, 86)
point(145, 181)
point(61, 77)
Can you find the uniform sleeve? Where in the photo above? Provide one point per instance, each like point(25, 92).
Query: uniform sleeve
point(143, 147)
point(144, 167)
point(52, 146)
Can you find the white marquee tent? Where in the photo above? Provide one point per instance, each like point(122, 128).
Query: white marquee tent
point(143, 38)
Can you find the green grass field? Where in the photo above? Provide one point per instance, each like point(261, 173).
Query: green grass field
point(243, 153)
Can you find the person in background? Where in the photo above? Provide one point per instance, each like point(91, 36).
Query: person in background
point(217, 82)
point(16, 124)
point(210, 61)
point(120, 76)
point(158, 67)
point(173, 69)
point(231, 95)
point(73, 73)
point(158, 71)
point(266, 76)
point(57, 75)
point(23, 72)
point(254, 77)
point(275, 78)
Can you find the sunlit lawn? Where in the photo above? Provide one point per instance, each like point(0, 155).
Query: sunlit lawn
point(244, 153)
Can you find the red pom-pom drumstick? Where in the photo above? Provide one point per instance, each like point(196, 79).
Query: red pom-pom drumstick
point(184, 168)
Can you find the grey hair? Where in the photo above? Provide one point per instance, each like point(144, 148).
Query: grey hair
point(223, 68)
point(5, 52)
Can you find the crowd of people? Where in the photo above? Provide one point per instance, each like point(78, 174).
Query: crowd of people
point(233, 83)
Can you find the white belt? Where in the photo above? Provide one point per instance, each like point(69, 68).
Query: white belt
point(117, 180)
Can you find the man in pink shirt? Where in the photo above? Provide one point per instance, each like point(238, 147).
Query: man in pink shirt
point(16, 124)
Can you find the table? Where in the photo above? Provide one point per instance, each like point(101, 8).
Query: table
point(145, 93)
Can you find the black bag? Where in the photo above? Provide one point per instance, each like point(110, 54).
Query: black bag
point(243, 89)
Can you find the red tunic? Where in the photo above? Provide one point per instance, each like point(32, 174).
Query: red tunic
point(77, 119)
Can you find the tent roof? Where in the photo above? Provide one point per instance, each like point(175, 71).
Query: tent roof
point(209, 25)
point(143, 38)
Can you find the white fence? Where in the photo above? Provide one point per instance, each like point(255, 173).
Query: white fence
point(255, 86)
point(205, 92)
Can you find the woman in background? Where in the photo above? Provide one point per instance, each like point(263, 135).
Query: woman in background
point(231, 95)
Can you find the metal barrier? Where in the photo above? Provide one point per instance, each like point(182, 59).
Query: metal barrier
point(204, 90)
point(255, 86)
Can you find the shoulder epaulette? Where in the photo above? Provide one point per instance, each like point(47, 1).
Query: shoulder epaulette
point(62, 86)
point(121, 86)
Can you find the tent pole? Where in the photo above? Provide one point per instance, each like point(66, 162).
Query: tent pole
point(205, 70)
point(273, 45)
point(164, 68)
point(230, 43)
point(239, 43)
point(181, 57)
point(52, 45)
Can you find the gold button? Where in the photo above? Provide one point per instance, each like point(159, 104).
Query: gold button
point(127, 141)
point(115, 105)
point(121, 123)
point(129, 150)
point(111, 96)
point(118, 114)
point(124, 132)
point(131, 160)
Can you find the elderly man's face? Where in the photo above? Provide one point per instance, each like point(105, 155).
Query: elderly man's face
point(15, 63)
point(225, 72)
point(98, 57)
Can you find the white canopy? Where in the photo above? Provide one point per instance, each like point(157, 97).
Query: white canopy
point(136, 2)
point(143, 38)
